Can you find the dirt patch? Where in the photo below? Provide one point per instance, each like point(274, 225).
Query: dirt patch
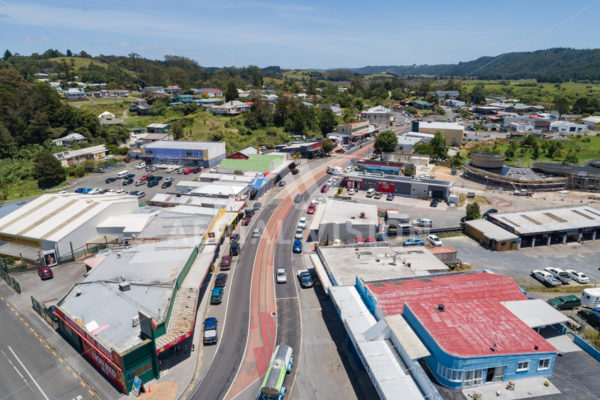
point(503, 204)
point(160, 391)
point(443, 173)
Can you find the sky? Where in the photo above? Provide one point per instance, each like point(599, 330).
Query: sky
point(299, 34)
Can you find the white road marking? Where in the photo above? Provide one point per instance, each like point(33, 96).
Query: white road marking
point(28, 373)
point(13, 365)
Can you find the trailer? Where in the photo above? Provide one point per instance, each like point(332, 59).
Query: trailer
point(590, 298)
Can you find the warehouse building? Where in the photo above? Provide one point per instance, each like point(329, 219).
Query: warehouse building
point(176, 152)
point(262, 163)
point(346, 221)
point(452, 132)
point(476, 327)
point(551, 226)
point(400, 185)
point(308, 150)
point(60, 225)
point(577, 178)
point(491, 235)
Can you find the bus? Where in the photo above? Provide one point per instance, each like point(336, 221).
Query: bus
point(281, 364)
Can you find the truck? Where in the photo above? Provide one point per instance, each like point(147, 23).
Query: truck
point(334, 170)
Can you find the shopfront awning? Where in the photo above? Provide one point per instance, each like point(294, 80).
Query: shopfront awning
point(535, 313)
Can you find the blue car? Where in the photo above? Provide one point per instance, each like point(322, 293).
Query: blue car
point(216, 296)
point(414, 242)
point(297, 247)
point(86, 190)
point(79, 190)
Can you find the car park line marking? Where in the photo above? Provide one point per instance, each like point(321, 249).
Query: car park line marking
point(91, 393)
point(60, 359)
point(28, 373)
point(82, 383)
point(74, 375)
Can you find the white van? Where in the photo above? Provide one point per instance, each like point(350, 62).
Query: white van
point(122, 174)
point(590, 298)
point(370, 192)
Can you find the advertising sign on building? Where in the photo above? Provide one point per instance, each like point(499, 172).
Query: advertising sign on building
point(114, 375)
point(50, 258)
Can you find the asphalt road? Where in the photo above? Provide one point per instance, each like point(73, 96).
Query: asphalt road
point(29, 370)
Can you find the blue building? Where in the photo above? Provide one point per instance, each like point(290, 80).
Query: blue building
point(478, 327)
point(202, 154)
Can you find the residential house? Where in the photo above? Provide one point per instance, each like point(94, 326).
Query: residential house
point(96, 153)
point(173, 89)
point(592, 122)
point(158, 128)
point(452, 94)
point(69, 139)
point(234, 107)
point(75, 94)
point(210, 92)
point(244, 154)
point(143, 109)
point(184, 98)
point(522, 126)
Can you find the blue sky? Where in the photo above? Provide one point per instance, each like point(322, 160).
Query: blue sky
point(294, 34)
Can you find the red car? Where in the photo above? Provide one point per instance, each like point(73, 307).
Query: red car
point(324, 188)
point(188, 171)
point(311, 209)
point(225, 263)
point(44, 272)
point(246, 221)
point(144, 177)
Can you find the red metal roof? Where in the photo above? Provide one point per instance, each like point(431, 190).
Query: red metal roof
point(473, 318)
point(442, 250)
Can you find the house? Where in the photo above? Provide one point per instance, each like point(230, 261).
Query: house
point(452, 94)
point(422, 105)
point(234, 107)
point(143, 109)
point(96, 153)
point(158, 128)
point(69, 139)
point(74, 94)
point(522, 127)
point(567, 127)
point(244, 154)
point(106, 116)
point(173, 89)
point(184, 98)
point(153, 137)
point(210, 92)
point(592, 122)
point(378, 115)
point(455, 104)
point(153, 89)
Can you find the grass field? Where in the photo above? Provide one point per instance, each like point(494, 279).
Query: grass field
point(78, 62)
point(97, 109)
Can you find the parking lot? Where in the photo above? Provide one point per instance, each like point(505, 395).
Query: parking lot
point(98, 180)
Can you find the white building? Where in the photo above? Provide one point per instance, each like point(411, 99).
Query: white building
point(592, 122)
point(69, 139)
point(96, 153)
point(567, 127)
point(347, 221)
point(378, 115)
point(74, 94)
point(234, 107)
point(522, 127)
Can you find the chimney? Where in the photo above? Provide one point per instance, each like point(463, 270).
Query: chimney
point(124, 286)
point(440, 308)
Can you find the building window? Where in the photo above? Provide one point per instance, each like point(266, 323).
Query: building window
point(452, 375)
point(472, 378)
point(523, 366)
point(544, 363)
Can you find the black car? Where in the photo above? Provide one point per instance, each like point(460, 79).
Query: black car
point(591, 317)
point(281, 183)
point(295, 171)
point(157, 178)
point(99, 170)
point(433, 203)
point(165, 185)
point(305, 279)
point(127, 181)
point(110, 180)
point(152, 183)
point(129, 176)
point(221, 280)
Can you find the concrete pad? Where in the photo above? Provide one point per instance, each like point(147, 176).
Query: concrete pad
point(524, 389)
point(563, 343)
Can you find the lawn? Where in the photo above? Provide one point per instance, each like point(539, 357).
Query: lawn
point(116, 108)
point(78, 62)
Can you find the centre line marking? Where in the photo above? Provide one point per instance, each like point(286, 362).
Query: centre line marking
point(28, 373)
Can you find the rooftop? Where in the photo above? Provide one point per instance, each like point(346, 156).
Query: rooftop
point(345, 263)
point(490, 230)
point(549, 220)
point(341, 212)
point(157, 125)
point(396, 178)
point(377, 110)
point(440, 125)
point(80, 152)
point(561, 169)
point(187, 145)
point(174, 224)
point(255, 162)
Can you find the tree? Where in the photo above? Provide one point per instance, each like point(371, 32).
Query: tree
point(473, 211)
point(48, 171)
point(457, 160)
point(571, 158)
point(562, 104)
point(231, 92)
point(438, 146)
point(327, 146)
point(478, 94)
point(509, 153)
point(327, 120)
point(536, 152)
point(69, 53)
point(7, 55)
point(386, 141)
point(409, 170)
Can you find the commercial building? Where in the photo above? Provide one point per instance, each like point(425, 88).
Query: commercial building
point(203, 154)
point(381, 167)
point(400, 185)
point(262, 163)
point(550, 226)
point(452, 132)
point(488, 160)
point(158, 128)
point(60, 224)
point(592, 122)
point(134, 307)
point(95, 153)
point(378, 115)
point(346, 221)
point(578, 178)
point(491, 235)
point(354, 129)
point(567, 127)
point(244, 153)
point(308, 150)
point(477, 327)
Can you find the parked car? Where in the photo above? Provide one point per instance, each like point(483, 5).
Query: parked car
point(153, 168)
point(434, 240)
point(140, 182)
point(210, 331)
point(127, 181)
point(413, 242)
point(381, 237)
point(249, 212)
point(311, 208)
point(234, 237)
point(188, 171)
point(299, 234)
point(169, 179)
point(305, 279)
point(141, 165)
point(434, 203)
point(221, 280)
point(298, 198)
point(281, 183)
point(170, 169)
point(257, 205)
point(180, 171)
point(225, 263)
point(423, 222)
point(79, 190)
point(234, 249)
point(166, 184)
point(141, 195)
point(302, 223)
point(578, 277)
point(44, 272)
point(99, 170)
point(216, 296)
point(352, 192)
point(297, 246)
point(390, 197)
point(559, 274)
point(545, 277)
point(281, 275)
point(324, 188)
point(257, 232)
point(95, 191)
point(592, 317)
point(246, 221)
point(295, 171)
point(110, 180)
point(565, 302)
point(488, 212)
point(152, 183)
point(377, 196)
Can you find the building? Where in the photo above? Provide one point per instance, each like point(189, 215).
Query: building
point(453, 132)
point(158, 128)
point(592, 122)
point(400, 185)
point(134, 307)
point(422, 105)
point(254, 163)
point(337, 110)
point(152, 137)
point(574, 177)
point(234, 107)
point(95, 153)
point(143, 109)
point(354, 129)
point(244, 153)
point(69, 139)
point(447, 255)
point(487, 160)
point(378, 115)
point(74, 94)
point(442, 94)
point(308, 150)
point(550, 226)
point(60, 224)
point(184, 98)
point(381, 167)
point(203, 154)
point(455, 104)
point(173, 89)
point(210, 92)
point(477, 327)
point(346, 221)
point(406, 143)
point(491, 235)
point(567, 127)
point(522, 127)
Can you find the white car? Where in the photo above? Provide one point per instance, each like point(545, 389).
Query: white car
point(559, 274)
point(141, 165)
point(171, 169)
point(299, 233)
point(545, 277)
point(257, 232)
point(302, 223)
point(119, 191)
point(95, 191)
point(281, 275)
point(424, 222)
point(351, 192)
point(330, 181)
point(434, 240)
point(578, 277)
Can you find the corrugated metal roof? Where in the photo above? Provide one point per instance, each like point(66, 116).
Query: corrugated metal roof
point(255, 162)
point(491, 231)
point(407, 337)
point(550, 220)
point(535, 313)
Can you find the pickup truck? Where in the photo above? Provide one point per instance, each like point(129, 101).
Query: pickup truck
point(210, 331)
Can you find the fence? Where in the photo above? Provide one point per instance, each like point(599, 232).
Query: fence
point(12, 282)
point(46, 313)
point(587, 347)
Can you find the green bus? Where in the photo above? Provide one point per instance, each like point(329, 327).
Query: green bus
point(281, 364)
